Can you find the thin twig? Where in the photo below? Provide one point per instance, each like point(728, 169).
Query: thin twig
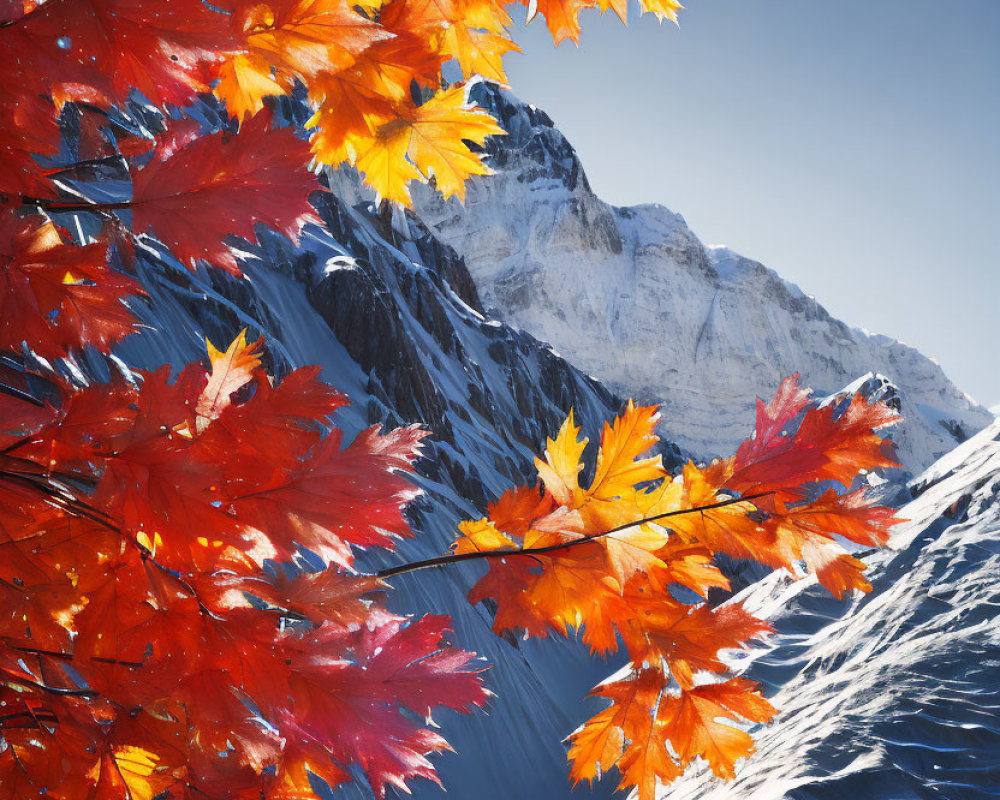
point(454, 558)
point(58, 205)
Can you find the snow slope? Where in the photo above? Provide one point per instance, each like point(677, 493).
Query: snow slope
point(631, 296)
point(894, 694)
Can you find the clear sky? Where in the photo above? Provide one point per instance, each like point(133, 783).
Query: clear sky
point(853, 146)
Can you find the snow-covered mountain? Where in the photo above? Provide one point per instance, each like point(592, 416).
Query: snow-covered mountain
point(631, 296)
point(893, 694)
point(395, 319)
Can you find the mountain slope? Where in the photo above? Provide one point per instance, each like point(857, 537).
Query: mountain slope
point(631, 296)
point(393, 318)
point(892, 694)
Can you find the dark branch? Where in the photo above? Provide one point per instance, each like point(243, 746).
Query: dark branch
point(454, 558)
point(58, 205)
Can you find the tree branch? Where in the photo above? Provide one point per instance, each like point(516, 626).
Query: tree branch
point(455, 558)
point(58, 205)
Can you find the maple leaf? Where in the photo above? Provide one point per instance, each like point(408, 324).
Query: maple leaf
point(561, 468)
point(192, 205)
point(619, 467)
point(425, 141)
point(289, 39)
point(690, 720)
point(631, 734)
point(829, 444)
point(625, 735)
point(473, 32)
point(481, 536)
point(102, 50)
point(326, 597)
point(687, 638)
point(336, 497)
point(663, 9)
point(563, 17)
point(134, 770)
point(57, 297)
point(355, 706)
point(231, 371)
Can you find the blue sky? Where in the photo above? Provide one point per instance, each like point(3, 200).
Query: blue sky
point(854, 147)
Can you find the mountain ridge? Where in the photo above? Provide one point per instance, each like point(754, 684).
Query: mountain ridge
point(632, 296)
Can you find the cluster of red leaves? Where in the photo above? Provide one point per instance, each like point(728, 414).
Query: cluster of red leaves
point(56, 297)
point(358, 61)
point(360, 64)
point(668, 708)
point(147, 646)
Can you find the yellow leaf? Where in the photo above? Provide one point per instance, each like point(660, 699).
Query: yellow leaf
point(664, 9)
point(385, 165)
point(561, 467)
point(620, 7)
point(440, 128)
point(619, 467)
point(137, 768)
point(478, 52)
point(425, 141)
point(480, 536)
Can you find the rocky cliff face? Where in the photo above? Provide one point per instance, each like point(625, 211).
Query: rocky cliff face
point(631, 296)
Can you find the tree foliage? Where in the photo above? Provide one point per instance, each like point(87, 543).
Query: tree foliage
point(162, 632)
point(151, 639)
point(772, 502)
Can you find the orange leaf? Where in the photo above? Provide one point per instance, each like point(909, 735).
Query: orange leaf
point(690, 720)
point(231, 371)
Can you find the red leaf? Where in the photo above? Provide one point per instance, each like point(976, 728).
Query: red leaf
point(56, 297)
point(219, 186)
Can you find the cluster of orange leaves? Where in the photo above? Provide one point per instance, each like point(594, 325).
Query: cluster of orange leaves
point(668, 707)
point(359, 62)
point(154, 636)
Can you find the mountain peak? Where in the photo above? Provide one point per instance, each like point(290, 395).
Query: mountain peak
point(633, 297)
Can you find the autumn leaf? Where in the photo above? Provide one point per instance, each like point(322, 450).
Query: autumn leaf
point(619, 467)
point(57, 297)
point(473, 32)
point(231, 371)
point(288, 40)
point(355, 706)
point(428, 141)
point(137, 770)
point(625, 735)
point(563, 17)
point(192, 206)
point(663, 9)
point(102, 50)
point(561, 467)
point(690, 720)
